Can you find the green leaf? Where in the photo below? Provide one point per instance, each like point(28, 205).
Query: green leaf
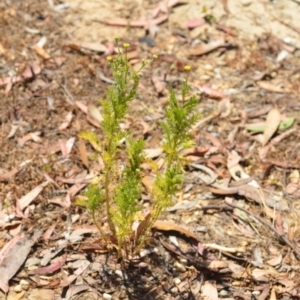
point(285, 124)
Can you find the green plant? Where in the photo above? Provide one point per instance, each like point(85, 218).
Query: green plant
point(119, 188)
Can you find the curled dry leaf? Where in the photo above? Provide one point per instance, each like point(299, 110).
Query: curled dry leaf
point(275, 261)
point(67, 121)
point(206, 48)
point(169, 226)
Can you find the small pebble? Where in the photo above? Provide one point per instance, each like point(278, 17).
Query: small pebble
point(179, 267)
point(106, 296)
point(223, 293)
point(24, 284)
point(18, 288)
point(176, 280)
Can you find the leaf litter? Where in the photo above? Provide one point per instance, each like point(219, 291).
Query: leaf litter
point(233, 230)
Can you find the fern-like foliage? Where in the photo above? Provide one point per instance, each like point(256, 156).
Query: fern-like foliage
point(180, 118)
point(91, 137)
point(119, 188)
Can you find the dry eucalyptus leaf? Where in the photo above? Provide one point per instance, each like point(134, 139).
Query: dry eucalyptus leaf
point(272, 123)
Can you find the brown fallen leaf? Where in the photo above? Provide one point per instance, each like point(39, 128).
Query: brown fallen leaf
point(275, 261)
point(226, 29)
point(29, 197)
point(83, 153)
point(271, 87)
point(158, 85)
point(11, 262)
point(206, 48)
point(8, 175)
point(41, 52)
point(67, 121)
point(210, 92)
point(169, 226)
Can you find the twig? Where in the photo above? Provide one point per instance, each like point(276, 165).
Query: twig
point(69, 95)
point(280, 235)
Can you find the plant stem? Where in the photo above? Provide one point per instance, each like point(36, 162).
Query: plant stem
point(107, 201)
point(98, 227)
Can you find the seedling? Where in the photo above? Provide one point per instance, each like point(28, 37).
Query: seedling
point(118, 189)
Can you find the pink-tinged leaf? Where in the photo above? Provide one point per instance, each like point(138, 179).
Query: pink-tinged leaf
point(264, 295)
point(196, 22)
point(97, 47)
point(82, 106)
point(271, 87)
point(272, 123)
point(146, 127)
point(77, 188)
point(159, 86)
point(156, 11)
point(211, 93)
point(66, 146)
point(260, 275)
point(7, 247)
point(159, 20)
point(14, 259)
point(8, 175)
point(278, 223)
point(224, 107)
point(275, 261)
point(226, 29)
point(29, 197)
point(14, 128)
point(34, 136)
point(32, 69)
point(291, 188)
point(206, 48)
point(209, 291)
point(67, 121)
point(48, 233)
point(57, 265)
point(73, 180)
point(8, 80)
